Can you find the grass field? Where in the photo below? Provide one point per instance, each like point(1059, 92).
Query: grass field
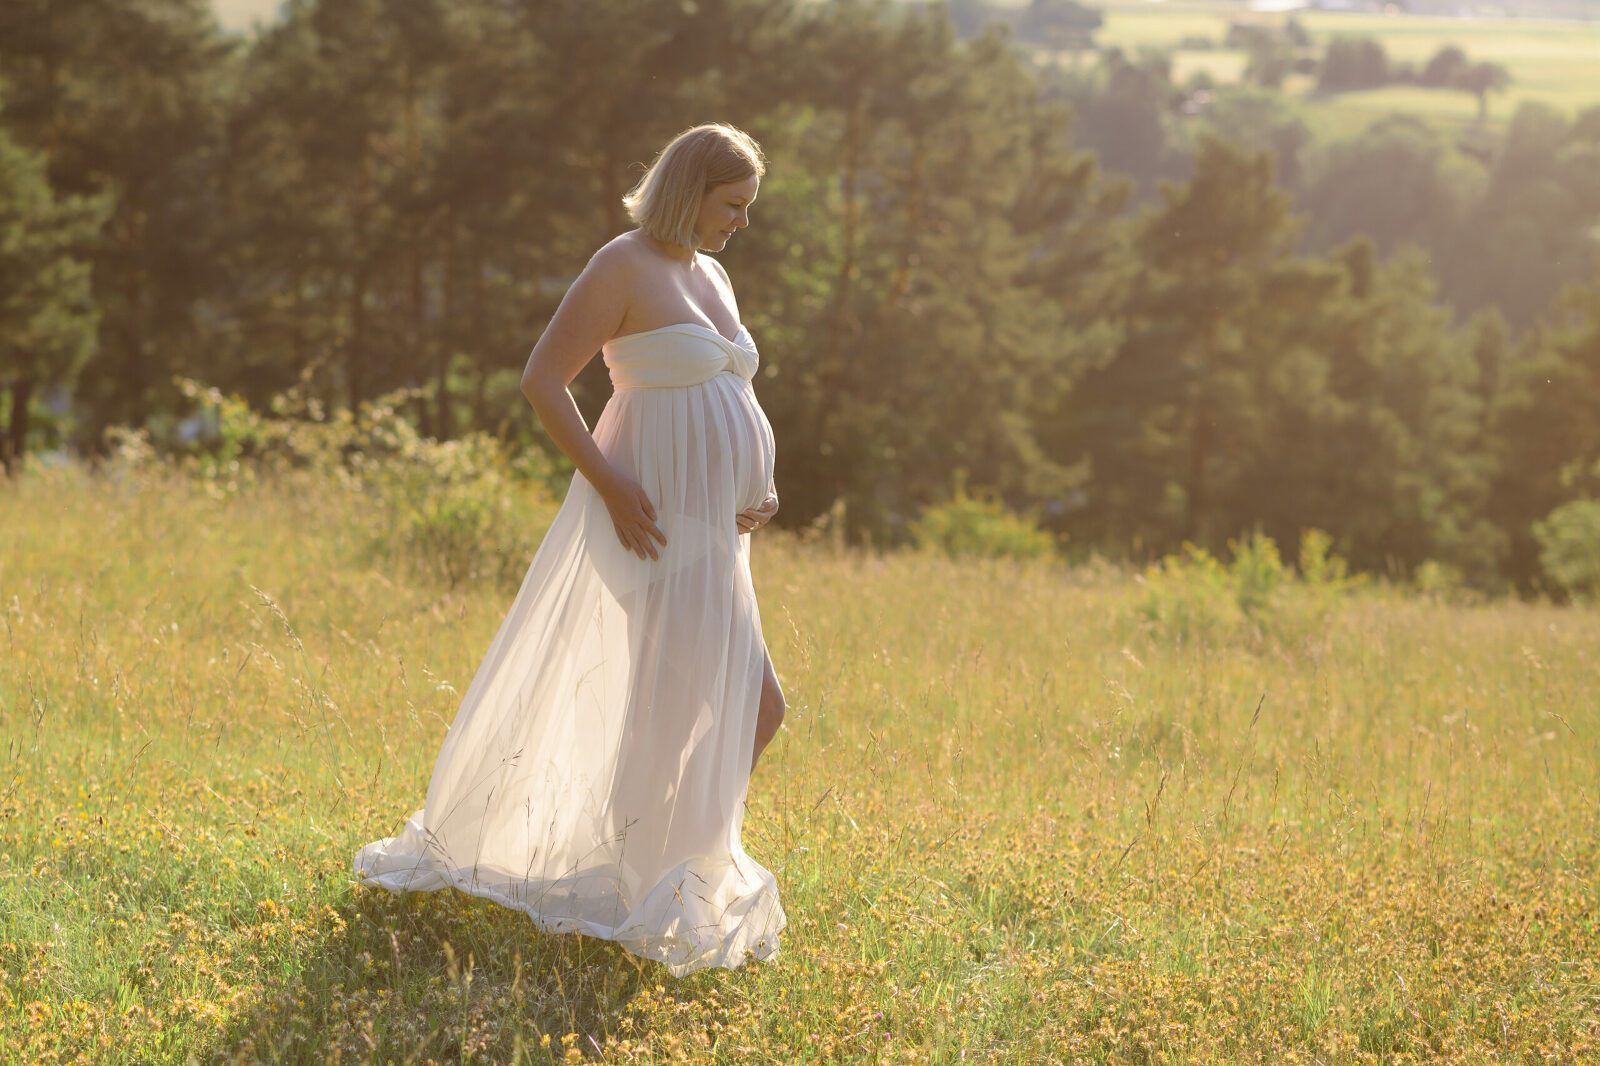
point(1020, 812)
point(1549, 62)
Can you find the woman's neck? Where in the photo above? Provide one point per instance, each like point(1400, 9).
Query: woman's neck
point(684, 255)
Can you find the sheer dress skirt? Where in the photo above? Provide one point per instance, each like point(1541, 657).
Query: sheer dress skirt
point(595, 773)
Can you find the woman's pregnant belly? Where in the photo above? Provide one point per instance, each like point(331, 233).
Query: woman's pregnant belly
point(704, 452)
point(752, 447)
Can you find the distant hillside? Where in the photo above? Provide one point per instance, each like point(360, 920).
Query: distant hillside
point(1565, 10)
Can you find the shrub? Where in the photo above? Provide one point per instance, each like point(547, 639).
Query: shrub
point(966, 525)
point(1440, 581)
point(1257, 572)
point(1192, 596)
point(1189, 597)
point(455, 511)
point(1569, 547)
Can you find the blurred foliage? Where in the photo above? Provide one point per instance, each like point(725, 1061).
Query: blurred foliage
point(1149, 312)
point(968, 525)
point(1194, 598)
point(454, 511)
point(1353, 63)
point(1569, 546)
point(47, 318)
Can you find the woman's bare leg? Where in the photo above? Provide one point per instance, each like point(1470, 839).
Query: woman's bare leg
point(769, 714)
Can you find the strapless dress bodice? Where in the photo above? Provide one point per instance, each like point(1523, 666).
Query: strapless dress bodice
point(678, 356)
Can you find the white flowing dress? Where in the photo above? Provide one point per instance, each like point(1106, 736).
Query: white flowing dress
point(595, 774)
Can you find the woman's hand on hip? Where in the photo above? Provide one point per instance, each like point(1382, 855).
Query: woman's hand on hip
point(756, 517)
point(633, 516)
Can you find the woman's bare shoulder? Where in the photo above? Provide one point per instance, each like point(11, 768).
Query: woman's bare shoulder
point(714, 267)
point(618, 270)
point(622, 254)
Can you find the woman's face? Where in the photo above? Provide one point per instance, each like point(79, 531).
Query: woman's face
point(724, 209)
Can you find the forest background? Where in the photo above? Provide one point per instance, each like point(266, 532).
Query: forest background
point(1142, 293)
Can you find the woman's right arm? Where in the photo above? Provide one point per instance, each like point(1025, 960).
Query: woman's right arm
point(590, 314)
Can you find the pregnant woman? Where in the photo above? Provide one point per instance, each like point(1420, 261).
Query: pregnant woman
point(595, 774)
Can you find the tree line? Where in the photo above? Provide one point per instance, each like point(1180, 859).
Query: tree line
point(1144, 322)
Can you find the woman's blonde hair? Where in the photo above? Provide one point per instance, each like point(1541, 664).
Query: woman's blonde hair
point(666, 202)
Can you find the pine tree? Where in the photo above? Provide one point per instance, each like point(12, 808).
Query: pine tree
point(47, 321)
point(123, 96)
point(1546, 426)
point(421, 232)
point(924, 341)
point(1183, 373)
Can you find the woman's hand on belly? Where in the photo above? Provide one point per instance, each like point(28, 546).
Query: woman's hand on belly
point(758, 516)
point(632, 514)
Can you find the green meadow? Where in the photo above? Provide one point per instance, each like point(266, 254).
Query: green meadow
point(1021, 812)
point(1553, 63)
